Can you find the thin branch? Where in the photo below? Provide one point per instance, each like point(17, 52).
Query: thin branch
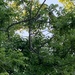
point(30, 29)
point(34, 18)
point(17, 23)
point(26, 20)
point(13, 24)
point(40, 8)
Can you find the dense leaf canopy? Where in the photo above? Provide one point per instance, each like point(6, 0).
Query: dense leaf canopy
point(38, 54)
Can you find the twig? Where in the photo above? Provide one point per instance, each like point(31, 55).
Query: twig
point(40, 8)
point(17, 23)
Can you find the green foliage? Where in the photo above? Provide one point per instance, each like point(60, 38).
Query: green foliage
point(5, 73)
point(10, 60)
point(53, 55)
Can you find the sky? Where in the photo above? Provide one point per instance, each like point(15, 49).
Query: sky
point(51, 1)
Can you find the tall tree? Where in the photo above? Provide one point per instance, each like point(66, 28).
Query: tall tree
point(37, 54)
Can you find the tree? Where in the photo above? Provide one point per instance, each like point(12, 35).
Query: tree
point(37, 54)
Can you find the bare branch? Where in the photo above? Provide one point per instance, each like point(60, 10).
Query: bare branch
point(40, 8)
point(17, 23)
point(30, 29)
